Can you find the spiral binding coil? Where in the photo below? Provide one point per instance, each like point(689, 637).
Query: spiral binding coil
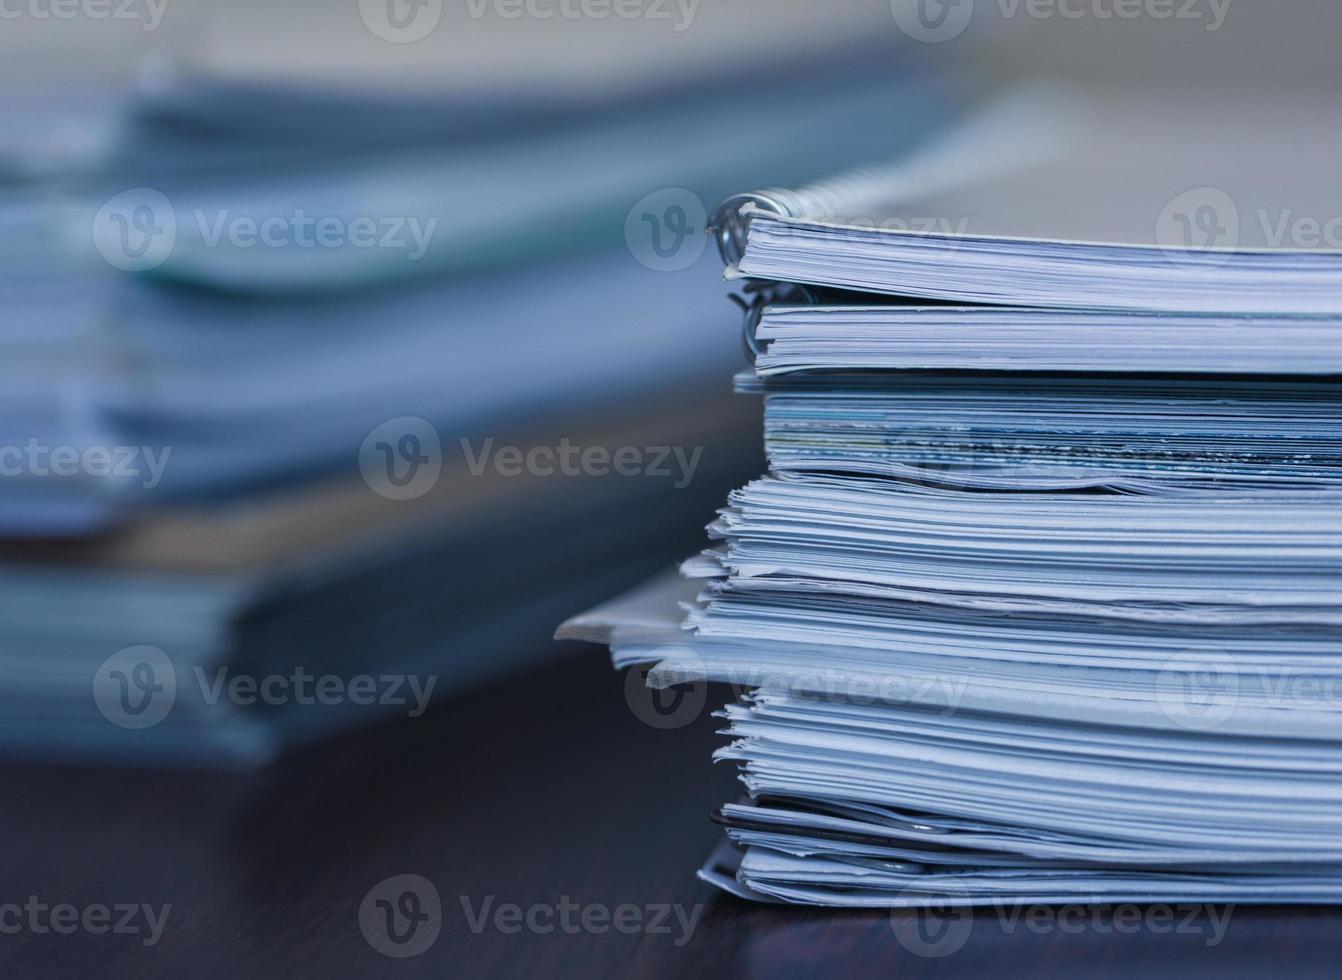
point(1018, 129)
point(728, 224)
point(755, 296)
point(845, 195)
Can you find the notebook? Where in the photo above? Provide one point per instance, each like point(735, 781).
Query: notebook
point(1038, 602)
point(1133, 200)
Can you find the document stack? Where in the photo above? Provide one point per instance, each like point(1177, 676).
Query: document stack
point(1041, 598)
point(236, 464)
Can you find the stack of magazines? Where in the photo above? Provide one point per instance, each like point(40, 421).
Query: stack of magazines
point(233, 464)
point(1041, 598)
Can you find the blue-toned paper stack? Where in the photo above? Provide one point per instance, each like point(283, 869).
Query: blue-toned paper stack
point(1041, 598)
point(264, 339)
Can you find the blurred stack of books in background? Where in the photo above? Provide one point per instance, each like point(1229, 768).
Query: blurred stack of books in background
point(311, 380)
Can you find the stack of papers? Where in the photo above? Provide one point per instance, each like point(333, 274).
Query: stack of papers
point(235, 465)
point(1041, 598)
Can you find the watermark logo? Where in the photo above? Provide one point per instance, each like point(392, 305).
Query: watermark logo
point(1287, 228)
point(939, 926)
point(1201, 690)
point(401, 21)
point(35, 917)
point(933, 926)
point(301, 687)
point(297, 229)
point(1198, 689)
point(567, 458)
point(401, 459)
point(681, 694)
point(948, 231)
point(148, 12)
point(678, 700)
point(135, 687)
point(666, 231)
point(136, 230)
point(932, 21)
point(1199, 226)
point(138, 686)
point(139, 229)
point(401, 916)
point(678, 13)
point(1211, 14)
point(121, 463)
point(574, 918)
point(937, 21)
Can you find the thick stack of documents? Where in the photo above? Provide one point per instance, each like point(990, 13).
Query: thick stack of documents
point(191, 516)
point(1041, 598)
point(282, 356)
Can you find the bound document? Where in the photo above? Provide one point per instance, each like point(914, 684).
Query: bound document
point(1041, 599)
point(1131, 202)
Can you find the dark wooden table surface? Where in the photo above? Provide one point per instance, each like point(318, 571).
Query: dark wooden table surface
point(548, 794)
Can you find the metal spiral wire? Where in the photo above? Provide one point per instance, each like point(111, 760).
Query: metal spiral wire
point(758, 294)
point(1015, 131)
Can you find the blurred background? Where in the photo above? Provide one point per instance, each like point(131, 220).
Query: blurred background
point(377, 336)
point(365, 342)
point(350, 346)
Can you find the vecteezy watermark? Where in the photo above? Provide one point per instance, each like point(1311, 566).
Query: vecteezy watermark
point(576, 918)
point(298, 229)
point(936, 21)
point(1198, 227)
point(137, 687)
point(1204, 226)
point(1210, 14)
point(666, 231)
point(402, 459)
point(679, 14)
point(303, 688)
point(136, 230)
point(948, 230)
point(673, 692)
point(937, 926)
point(677, 700)
point(406, 21)
point(36, 459)
point(139, 229)
point(148, 12)
point(1198, 689)
point(933, 926)
point(932, 21)
point(402, 916)
point(567, 458)
point(1287, 228)
point(39, 918)
point(401, 21)
point(1203, 689)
